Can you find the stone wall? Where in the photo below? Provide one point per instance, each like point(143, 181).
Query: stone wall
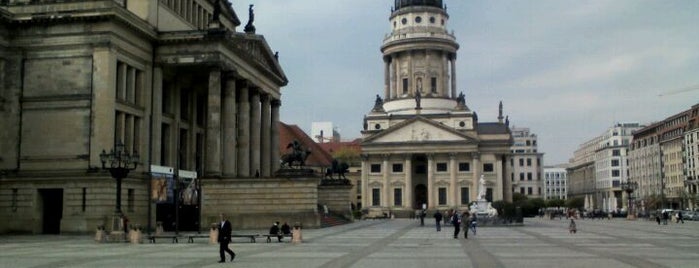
point(257, 203)
point(336, 197)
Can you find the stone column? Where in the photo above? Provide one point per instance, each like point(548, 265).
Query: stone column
point(103, 103)
point(411, 90)
point(230, 116)
point(476, 175)
point(396, 77)
point(409, 181)
point(507, 188)
point(157, 111)
point(243, 131)
point(386, 77)
point(453, 76)
point(444, 88)
point(430, 181)
point(386, 191)
point(498, 191)
point(365, 181)
point(213, 125)
point(266, 134)
point(275, 154)
point(255, 144)
point(452, 180)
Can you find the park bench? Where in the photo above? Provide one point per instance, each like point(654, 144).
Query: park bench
point(173, 237)
point(249, 236)
point(190, 237)
point(269, 236)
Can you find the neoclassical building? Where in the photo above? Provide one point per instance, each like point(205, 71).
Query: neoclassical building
point(422, 145)
point(176, 81)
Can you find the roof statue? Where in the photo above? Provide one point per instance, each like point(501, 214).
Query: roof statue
point(217, 11)
point(378, 104)
point(250, 28)
point(418, 99)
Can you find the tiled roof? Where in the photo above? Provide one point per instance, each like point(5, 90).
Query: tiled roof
point(288, 133)
point(332, 147)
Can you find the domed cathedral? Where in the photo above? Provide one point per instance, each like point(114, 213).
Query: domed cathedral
point(422, 146)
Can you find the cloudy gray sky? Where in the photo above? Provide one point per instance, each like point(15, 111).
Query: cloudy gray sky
point(567, 69)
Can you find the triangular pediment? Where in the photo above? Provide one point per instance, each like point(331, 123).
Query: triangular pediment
point(420, 130)
point(255, 49)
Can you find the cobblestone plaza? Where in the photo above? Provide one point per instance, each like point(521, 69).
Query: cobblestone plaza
point(390, 243)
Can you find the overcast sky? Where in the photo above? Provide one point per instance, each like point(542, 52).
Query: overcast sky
point(567, 69)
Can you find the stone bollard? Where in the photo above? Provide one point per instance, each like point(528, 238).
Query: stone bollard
point(296, 237)
point(213, 234)
point(99, 234)
point(136, 236)
point(159, 228)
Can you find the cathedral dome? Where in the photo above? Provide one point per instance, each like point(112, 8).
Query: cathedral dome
point(408, 3)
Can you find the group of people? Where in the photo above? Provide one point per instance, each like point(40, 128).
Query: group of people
point(458, 220)
point(224, 236)
point(666, 216)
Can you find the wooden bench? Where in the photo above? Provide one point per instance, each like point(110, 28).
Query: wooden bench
point(173, 237)
point(252, 237)
point(190, 237)
point(269, 237)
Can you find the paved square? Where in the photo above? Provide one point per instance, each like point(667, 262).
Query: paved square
point(391, 243)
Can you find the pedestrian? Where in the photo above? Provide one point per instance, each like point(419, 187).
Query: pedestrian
point(474, 222)
point(274, 230)
point(456, 221)
point(657, 218)
point(286, 229)
point(224, 238)
point(438, 219)
point(464, 223)
point(679, 217)
point(423, 213)
point(571, 227)
point(666, 216)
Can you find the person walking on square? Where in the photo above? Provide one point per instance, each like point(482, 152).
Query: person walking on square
point(438, 220)
point(679, 217)
point(666, 216)
point(571, 227)
point(657, 218)
point(465, 222)
point(224, 238)
point(474, 222)
point(423, 213)
point(456, 221)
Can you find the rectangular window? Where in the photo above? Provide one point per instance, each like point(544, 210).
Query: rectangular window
point(489, 194)
point(615, 162)
point(615, 173)
point(521, 162)
point(529, 162)
point(464, 167)
point(529, 176)
point(529, 190)
point(84, 203)
point(433, 84)
point(521, 176)
point(538, 162)
point(375, 197)
point(14, 199)
point(405, 86)
point(441, 167)
point(398, 197)
point(375, 168)
point(521, 190)
point(465, 194)
point(512, 162)
point(397, 168)
point(442, 196)
point(616, 152)
point(488, 167)
point(130, 200)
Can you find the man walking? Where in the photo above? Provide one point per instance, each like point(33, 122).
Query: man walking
point(224, 237)
point(438, 219)
point(456, 221)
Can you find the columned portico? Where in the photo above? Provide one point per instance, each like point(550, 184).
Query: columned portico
point(244, 130)
point(265, 129)
point(213, 125)
point(255, 143)
point(430, 181)
point(453, 201)
point(409, 186)
point(230, 115)
point(275, 157)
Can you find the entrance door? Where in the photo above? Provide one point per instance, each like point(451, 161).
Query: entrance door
point(52, 210)
point(420, 196)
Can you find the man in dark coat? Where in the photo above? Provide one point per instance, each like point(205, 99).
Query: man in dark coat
point(438, 219)
point(274, 230)
point(456, 221)
point(224, 237)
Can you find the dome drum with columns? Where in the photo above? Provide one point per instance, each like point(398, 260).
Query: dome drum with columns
point(421, 144)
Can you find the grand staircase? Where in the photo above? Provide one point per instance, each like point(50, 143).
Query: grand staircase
point(331, 220)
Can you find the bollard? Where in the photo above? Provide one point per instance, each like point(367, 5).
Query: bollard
point(135, 236)
point(99, 234)
point(159, 228)
point(296, 234)
point(213, 234)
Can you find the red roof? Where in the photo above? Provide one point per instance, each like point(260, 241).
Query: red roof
point(332, 147)
point(288, 133)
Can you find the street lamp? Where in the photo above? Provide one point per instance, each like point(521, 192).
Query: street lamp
point(119, 162)
point(629, 187)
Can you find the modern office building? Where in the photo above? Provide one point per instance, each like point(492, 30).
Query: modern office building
point(526, 164)
point(422, 146)
point(555, 183)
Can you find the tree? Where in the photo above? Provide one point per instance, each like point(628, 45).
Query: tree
point(556, 202)
point(347, 154)
point(576, 202)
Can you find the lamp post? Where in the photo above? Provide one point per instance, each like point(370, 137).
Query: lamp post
point(629, 187)
point(119, 162)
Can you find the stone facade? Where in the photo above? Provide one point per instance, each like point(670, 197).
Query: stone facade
point(173, 80)
point(526, 164)
point(421, 144)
